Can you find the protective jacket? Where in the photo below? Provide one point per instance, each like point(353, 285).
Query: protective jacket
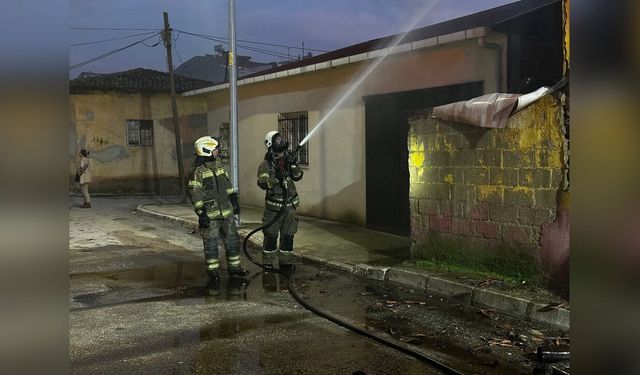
point(209, 189)
point(270, 172)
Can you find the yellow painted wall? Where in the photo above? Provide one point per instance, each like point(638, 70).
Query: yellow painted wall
point(98, 123)
point(487, 184)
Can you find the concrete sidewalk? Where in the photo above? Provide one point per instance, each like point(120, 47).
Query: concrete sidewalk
point(381, 256)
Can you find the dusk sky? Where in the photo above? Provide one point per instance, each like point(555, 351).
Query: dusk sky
point(321, 25)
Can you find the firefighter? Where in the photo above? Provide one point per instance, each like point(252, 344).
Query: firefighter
point(215, 202)
point(277, 172)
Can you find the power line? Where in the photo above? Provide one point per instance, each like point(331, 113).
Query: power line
point(156, 32)
point(175, 48)
point(210, 36)
point(111, 52)
point(110, 29)
point(158, 42)
point(108, 40)
point(266, 52)
point(253, 42)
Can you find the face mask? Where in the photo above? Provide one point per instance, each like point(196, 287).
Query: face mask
point(279, 145)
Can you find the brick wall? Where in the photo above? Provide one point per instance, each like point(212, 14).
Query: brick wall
point(487, 186)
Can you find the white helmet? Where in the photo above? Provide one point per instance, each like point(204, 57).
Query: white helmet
point(268, 139)
point(206, 145)
point(274, 140)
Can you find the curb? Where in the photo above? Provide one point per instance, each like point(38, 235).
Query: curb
point(557, 318)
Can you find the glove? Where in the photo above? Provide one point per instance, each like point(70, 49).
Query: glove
point(273, 181)
point(233, 197)
point(203, 220)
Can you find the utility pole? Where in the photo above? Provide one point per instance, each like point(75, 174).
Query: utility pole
point(233, 98)
point(166, 36)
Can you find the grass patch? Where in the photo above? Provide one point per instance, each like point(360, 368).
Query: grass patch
point(508, 263)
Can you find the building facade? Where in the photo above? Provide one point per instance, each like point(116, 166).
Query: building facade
point(357, 168)
point(125, 121)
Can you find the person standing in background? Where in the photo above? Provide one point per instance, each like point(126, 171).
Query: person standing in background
point(83, 177)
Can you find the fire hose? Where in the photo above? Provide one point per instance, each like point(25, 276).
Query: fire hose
point(301, 301)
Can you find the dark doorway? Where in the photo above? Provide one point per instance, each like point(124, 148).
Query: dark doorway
point(387, 170)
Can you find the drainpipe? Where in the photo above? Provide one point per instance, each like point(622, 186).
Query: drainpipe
point(498, 49)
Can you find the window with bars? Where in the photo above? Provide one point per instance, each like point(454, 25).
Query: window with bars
point(140, 132)
point(293, 127)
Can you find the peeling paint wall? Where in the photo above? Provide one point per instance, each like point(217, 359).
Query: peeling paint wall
point(99, 124)
point(491, 187)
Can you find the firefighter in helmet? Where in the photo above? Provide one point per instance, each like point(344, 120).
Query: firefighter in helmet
point(277, 172)
point(215, 201)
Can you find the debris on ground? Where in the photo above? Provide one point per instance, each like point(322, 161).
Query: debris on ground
point(490, 281)
point(489, 313)
point(501, 342)
point(553, 306)
point(410, 340)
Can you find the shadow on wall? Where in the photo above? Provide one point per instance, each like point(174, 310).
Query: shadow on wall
point(555, 243)
point(192, 127)
point(150, 169)
point(473, 135)
point(343, 198)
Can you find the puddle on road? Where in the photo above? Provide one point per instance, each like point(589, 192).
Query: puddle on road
point(167, 275)
point(229, 328)
point(185, 283)
point(182, 282)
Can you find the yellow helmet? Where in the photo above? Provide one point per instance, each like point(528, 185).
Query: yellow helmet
point(206, 145)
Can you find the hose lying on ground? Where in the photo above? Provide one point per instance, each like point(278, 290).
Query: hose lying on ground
point(325, 315)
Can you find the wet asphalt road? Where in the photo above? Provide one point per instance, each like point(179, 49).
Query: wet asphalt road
point(140, 303)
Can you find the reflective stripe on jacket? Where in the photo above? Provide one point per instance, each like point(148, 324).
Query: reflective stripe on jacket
point(274, 192)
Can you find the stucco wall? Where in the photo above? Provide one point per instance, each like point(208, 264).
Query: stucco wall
point(98, 123)
point(334, 184)
point(490, 187)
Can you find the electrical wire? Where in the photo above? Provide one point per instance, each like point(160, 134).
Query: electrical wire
point(266, 52)
point(110, 29)
point(226, 40)
point(158, 42)
point(108, 40)
point(175, 48)
point(110, 53)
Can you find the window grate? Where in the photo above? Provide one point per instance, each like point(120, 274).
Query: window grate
point(293, 127)
point(140, 132)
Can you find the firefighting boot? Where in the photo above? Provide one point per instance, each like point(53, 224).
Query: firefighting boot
point(286, 253)
point(213, 275)
point(213, 286)
point(270, 281)
point(234, 288)
point(269, 245)
point(237, 271)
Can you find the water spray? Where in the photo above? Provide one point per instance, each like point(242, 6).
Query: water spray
point(366, 73)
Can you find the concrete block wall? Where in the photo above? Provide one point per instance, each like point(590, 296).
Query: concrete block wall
point(491, 186)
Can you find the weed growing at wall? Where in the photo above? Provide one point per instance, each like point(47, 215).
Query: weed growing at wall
point(511, 263)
